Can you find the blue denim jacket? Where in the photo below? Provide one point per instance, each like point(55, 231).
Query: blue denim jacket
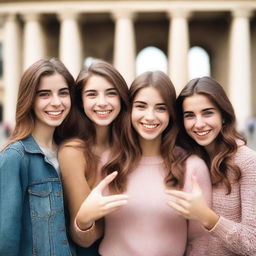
point(32, 220)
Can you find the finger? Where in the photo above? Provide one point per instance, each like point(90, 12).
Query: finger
point(183, 203)
point(114, 198)
point(179, 209)
point(114, 205)
point(179, 194)
point(105, 182)
point(195, 185)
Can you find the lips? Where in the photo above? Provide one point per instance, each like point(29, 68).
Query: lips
point(202, 133)
point(150, 126)
point(54, 113)
point(102, 113)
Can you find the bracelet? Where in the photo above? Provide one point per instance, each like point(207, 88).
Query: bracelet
point(85, 230)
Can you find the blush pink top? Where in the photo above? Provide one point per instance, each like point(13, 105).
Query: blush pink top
point(235, 232)
point(147, 225)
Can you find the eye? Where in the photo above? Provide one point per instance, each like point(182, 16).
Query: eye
point(90, 94)
point(161, 109)
point(64, 92)
point(112, 93)
point(139, 106)
point(43, 94)
point(188, 115)
point(208, 113)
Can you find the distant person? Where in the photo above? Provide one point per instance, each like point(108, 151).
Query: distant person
point(251, 123)
point(32, 220)
point(207, 122)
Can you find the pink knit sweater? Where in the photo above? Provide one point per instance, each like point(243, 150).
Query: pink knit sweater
point(147, 226)
point(235, 232)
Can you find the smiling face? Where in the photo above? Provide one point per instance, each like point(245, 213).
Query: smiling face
point(101, 101)
point(149, 114)
point(52, 101)
point(202, 120)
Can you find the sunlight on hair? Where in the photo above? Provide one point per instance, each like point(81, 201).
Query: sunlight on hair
point(88, 61)
point(150, 59)
point(199, 62)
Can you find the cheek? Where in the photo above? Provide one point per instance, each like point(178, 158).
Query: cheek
point(187, 125)
point(134, 117)
point(166, 119)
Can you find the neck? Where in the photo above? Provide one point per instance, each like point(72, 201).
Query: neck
point(101, 140)
point(44, 136)
point(150, 147)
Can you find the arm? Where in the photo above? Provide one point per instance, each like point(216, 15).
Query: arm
point(193, 202)
point(197, 169)
point(76, 189)
point(11, 202)
point(239, 236)
point(86, 206)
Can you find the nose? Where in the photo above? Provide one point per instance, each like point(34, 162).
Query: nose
point(149, 115)
point(55, 101)
point(101, 101)
point(200, 123)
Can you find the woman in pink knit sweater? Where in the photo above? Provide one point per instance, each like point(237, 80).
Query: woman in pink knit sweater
point(207, 123)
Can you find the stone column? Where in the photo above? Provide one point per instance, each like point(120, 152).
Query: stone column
point(34, 39)
point(240, 66)
point(178, 47)
point(70, 42)
point(11, 67)
point(124, 44)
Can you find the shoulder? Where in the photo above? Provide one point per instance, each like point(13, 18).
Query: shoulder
point(196, 166)
point(245, 158)
point(71, 153)
point(195, 162)
point(13, 157)
point(15, 149)
point(71, 146)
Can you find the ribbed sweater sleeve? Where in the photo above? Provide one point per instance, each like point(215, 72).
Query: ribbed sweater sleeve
point(239, 236)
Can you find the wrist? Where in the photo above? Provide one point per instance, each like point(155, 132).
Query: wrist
point(210, 219)
point(84, 226)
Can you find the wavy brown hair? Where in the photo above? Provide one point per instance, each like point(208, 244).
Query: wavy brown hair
point(84, 127)
point(29, 83)
point(222, 168)
point(128, 158)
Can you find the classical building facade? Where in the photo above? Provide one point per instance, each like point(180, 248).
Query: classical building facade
point(117, 31)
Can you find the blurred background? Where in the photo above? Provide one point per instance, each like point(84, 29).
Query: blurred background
point(185, 39)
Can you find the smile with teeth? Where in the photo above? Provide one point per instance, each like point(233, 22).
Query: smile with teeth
point(54, 113)
point(202, 133)
point(150, 126)
point(102, 112)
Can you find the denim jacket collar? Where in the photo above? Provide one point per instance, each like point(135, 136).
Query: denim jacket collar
point(30, 145)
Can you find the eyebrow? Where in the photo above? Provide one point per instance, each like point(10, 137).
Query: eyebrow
point(93, 90)
point(142, 102)
point(205, 109)
point(48, 90)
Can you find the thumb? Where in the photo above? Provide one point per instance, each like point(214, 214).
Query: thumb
point(195, 185)
point(106, 181)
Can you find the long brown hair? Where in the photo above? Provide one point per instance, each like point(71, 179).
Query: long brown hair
point(25, 117)
point(85, 127)
point(131, 152)
point(221, 166)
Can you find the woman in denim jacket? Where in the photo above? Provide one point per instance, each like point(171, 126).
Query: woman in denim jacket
point(32, 220)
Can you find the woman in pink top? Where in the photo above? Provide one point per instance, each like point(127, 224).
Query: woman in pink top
point(148, 165)
point(101, 101)
point(208, 128)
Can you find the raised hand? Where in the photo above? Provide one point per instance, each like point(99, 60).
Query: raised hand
point(192, 205)
point(96, 206)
